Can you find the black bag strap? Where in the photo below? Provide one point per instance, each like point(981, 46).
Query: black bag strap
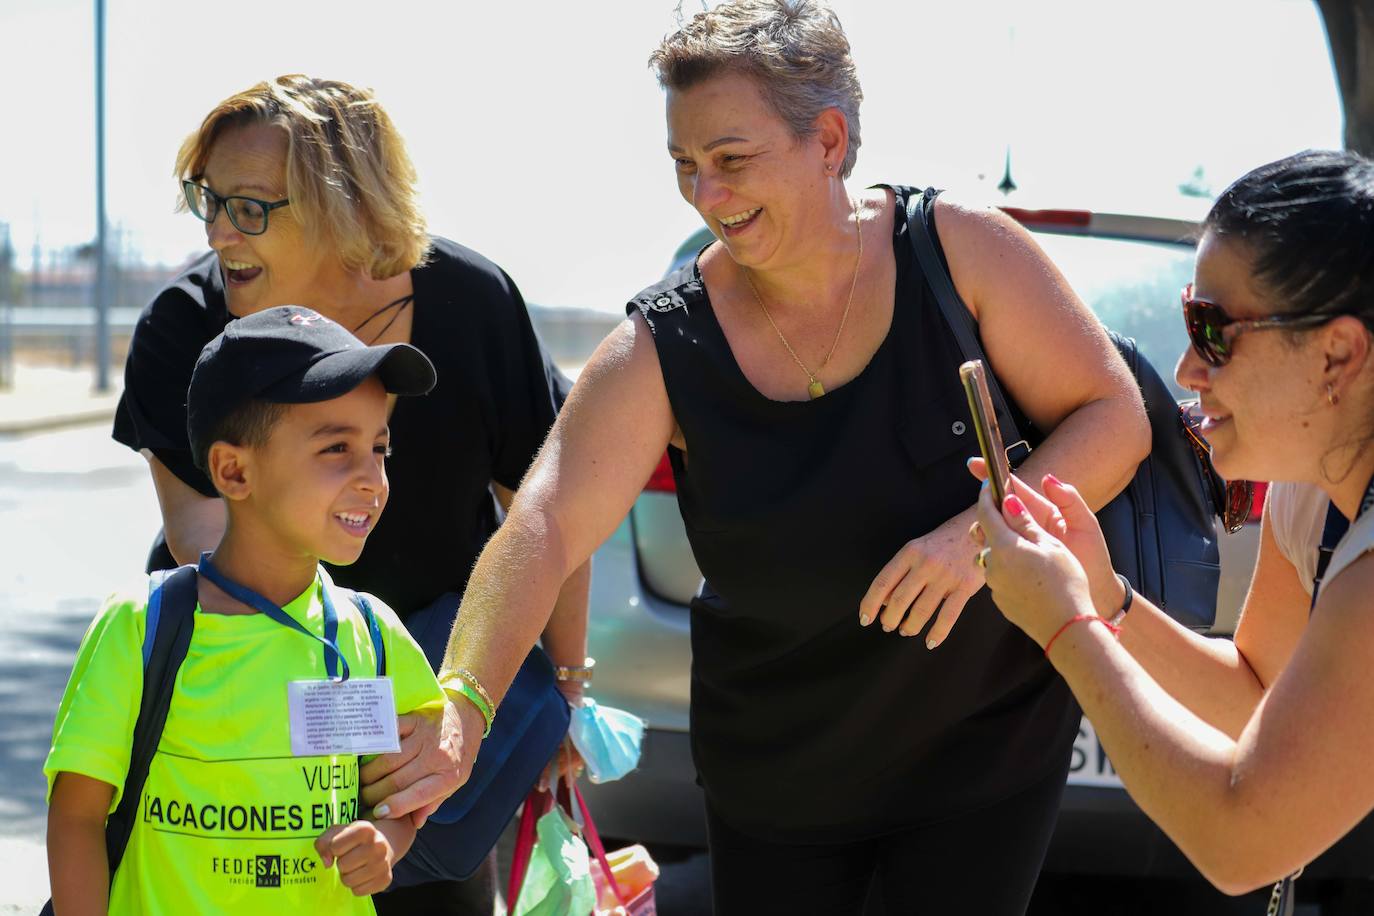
point(956, 313)
point(171, 619)
point(169, 622)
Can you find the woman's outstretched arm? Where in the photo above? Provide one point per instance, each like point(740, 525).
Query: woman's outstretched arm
point(606, 442)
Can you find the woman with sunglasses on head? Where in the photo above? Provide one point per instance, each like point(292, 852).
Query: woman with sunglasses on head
point(1252, 755)
point(308, 197)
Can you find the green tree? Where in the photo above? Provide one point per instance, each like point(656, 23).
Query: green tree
point(1197, 185)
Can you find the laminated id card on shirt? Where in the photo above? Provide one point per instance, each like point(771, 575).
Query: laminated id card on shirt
point(356, 716)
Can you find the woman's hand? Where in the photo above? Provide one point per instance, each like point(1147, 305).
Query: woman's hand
point(566, 765)
point(567, 760)
point(1035, 581)
point(933, 571)
point(1062, 513)
point(437, 751)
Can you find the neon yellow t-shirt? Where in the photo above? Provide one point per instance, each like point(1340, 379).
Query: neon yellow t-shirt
point(228, 818)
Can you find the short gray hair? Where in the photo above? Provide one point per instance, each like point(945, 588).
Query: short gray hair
point(795, 49)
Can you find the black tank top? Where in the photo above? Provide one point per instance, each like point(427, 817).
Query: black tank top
point(806, 727)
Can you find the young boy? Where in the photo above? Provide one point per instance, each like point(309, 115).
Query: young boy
point(287, 414)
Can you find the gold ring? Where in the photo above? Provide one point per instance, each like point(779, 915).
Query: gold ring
point(982, 557)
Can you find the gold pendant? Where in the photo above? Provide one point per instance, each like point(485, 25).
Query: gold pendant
point(815, 389)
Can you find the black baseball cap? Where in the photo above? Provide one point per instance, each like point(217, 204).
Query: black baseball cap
point(291, 355)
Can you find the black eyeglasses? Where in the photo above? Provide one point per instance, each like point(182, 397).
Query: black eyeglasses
point(247, 214)
point(1231, 499)
point(1208, 323)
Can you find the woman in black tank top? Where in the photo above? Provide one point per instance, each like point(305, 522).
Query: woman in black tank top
point(806, 388)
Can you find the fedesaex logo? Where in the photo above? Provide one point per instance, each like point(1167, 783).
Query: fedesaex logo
point(265, 870)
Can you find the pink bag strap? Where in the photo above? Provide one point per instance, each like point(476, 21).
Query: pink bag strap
point(535, 807)
point(593, 839)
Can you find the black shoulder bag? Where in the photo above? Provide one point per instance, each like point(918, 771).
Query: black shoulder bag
point(1161, 530)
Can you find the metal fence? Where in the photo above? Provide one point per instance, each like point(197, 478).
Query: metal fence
point(69, 335)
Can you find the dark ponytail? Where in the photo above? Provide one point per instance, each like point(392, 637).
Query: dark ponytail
point(1308, 222)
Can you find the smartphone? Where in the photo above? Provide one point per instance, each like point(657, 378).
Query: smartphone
point(975, 379)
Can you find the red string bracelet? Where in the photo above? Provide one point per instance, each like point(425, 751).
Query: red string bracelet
point(1116, 630)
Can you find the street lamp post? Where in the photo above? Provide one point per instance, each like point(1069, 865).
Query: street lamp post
point(102, 270)
point(6, 288)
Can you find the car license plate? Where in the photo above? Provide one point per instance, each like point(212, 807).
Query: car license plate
point(1089, 765)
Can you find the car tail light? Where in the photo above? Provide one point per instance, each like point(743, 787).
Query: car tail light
point(1080, 218)
point(661, 480)
point(1257, 502)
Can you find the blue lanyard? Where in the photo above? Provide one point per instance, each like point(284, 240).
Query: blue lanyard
point(262, 605)
point(1332, 532)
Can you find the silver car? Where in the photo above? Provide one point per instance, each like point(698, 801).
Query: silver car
point(1129, 270)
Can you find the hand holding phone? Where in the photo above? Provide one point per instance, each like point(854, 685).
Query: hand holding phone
point(974, 376)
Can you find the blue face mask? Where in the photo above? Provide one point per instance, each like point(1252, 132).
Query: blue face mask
point(608, 740)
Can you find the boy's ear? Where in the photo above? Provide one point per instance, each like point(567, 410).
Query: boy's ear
point(228, 467)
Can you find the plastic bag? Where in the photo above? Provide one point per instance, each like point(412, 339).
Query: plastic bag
point(552, 875)
point(635, 873)
point(556, 878)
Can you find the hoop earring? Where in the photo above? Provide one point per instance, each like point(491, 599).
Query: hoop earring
point(1331, 396)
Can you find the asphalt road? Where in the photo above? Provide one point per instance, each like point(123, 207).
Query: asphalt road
point(77, 512)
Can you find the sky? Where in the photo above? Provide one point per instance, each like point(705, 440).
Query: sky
point(538, 130)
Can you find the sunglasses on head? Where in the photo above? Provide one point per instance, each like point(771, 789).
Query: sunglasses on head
point(1231, 499)
point(1212, 332)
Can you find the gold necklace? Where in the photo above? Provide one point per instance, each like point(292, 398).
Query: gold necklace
point(815, 389)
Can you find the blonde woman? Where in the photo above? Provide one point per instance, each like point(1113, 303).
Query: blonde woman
point(308, 198)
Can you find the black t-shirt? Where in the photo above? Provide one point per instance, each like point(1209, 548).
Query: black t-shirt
point(496, 397)
point(807, 728)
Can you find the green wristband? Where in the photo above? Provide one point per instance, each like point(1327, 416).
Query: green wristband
point(454, 683)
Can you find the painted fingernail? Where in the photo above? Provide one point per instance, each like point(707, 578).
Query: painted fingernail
point(1014, 505)
point(383, 811)
point(1050, 478)
point(931, 642)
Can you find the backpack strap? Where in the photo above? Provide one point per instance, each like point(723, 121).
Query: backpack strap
point(373, 629)
point(167, 634)
point(954, 310)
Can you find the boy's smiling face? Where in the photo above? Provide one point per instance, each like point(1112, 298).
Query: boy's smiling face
point(318, 485)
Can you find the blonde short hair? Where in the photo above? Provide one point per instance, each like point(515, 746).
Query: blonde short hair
point(349, 178)
point(795, 49)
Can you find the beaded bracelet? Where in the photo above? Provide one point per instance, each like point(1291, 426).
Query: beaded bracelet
point(1075, 619)
point(463, 683)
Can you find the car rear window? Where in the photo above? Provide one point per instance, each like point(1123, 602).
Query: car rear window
point(1133, 287)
